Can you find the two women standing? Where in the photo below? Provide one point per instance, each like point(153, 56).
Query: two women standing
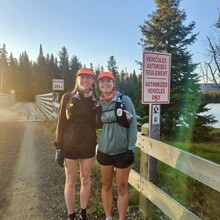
point(76, 138)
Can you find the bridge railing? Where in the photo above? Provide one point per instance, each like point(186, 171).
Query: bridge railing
point(46, 104)
point(203, 170)
point(6, 99)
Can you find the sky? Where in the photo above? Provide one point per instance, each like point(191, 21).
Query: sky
point(94, 30)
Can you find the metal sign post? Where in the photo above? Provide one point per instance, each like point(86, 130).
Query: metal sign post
point(154, 132)
point(155, 91)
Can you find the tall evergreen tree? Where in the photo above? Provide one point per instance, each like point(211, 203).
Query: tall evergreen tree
point(165, 31)
point(25, 79)
point(54, 67)
point(3, 68)
point(75, 65)
point(13, 72)
point(64, 69)
point(42, 78)
point(112, 66)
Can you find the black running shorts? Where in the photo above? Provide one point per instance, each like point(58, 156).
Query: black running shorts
point(77, 154)
point(122, 160)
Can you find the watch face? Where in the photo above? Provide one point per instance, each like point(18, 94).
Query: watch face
point(119, 112)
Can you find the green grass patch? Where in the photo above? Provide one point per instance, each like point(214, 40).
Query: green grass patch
point(199, 198)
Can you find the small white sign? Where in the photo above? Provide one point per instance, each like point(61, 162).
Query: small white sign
point(156, 78)
point(156, 115)
point(58, 84)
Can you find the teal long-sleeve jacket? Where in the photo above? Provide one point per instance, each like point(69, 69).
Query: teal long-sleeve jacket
point(115, 139)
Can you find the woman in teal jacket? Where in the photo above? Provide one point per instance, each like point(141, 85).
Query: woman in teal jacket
point(116, 144)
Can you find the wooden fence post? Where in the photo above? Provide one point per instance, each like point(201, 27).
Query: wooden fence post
point(146, 207)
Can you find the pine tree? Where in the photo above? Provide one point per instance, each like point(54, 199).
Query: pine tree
point(54, 67)
point(75, 65)
point(64, 69)
point(3, 68)
point(43, 81)
point(13, 72)
point(112, 66)
point(25, 79)
point(165, 32)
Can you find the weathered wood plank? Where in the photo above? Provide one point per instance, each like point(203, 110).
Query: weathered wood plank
point(203, 170)
point(169, 206)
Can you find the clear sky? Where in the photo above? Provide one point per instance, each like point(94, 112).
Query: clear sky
point(93, 30)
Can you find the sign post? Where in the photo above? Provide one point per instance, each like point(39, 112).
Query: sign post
point(155, 91)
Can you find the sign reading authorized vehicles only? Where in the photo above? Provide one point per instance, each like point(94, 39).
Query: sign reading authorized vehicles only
point(156, 78)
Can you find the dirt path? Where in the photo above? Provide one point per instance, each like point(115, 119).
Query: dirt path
point(23, 190)
point(28, 174)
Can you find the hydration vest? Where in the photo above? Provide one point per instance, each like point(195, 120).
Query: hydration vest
point(123, 117)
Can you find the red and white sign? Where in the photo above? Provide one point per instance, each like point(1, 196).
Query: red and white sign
point(156, 78)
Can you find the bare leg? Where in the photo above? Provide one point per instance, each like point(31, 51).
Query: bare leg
point(122, 184)
point(85, 171)
point(69, 190)
point(107, 178)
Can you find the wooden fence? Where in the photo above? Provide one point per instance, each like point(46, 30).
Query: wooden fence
point(6, 99)
point(203, 170)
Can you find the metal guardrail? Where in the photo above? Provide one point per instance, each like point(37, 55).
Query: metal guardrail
point(6, 100)
point(46, 104)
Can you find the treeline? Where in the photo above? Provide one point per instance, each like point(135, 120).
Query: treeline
point(29, 78)
point(211, 97)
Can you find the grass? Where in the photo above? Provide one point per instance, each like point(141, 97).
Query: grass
point(201, 199)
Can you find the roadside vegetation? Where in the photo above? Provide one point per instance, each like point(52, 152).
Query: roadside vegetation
point(199, 198)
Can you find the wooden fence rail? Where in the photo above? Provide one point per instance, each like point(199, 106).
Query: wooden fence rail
point(6, 99)
point(196, 167)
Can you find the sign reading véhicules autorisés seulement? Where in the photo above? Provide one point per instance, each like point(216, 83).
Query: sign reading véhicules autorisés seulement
point(156, 78)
